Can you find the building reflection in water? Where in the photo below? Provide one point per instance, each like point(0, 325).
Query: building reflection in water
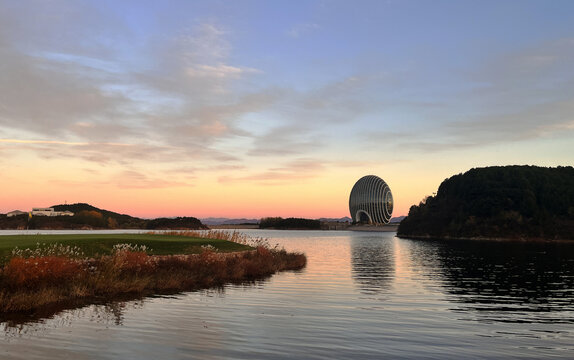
point(373, 263)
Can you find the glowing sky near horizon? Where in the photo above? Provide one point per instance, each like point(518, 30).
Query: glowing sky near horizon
point(274, 108)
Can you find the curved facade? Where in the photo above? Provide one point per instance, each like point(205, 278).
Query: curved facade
point(371, 201)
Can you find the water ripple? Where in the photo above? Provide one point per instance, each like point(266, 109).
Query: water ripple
point(362, 296)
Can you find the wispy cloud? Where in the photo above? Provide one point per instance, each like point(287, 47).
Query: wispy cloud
point(522, 95)
point(302, 29)
point(293, 139)
point(125, 179)
point(57, 142)
point(292, 172)
point(181, 99)
point(219, 71)
point(131, 179)
point(88, 88)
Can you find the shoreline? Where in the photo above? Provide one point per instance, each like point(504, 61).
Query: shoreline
point(371, 228)
point(481, 238)
point(374, 228)
point(133, 274)
point(75, 268)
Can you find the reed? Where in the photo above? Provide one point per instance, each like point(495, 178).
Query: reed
point(29, 282)
point(233, 236)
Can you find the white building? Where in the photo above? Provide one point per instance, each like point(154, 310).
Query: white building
point(42, 211)
point(15, 213)
point(50, 212)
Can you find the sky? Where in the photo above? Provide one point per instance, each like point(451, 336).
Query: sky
point(274, 108)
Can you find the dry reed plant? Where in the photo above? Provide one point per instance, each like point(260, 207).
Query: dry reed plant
point(28, 282)
point(233, 236)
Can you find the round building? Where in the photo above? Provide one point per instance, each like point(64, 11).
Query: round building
point(371, 201)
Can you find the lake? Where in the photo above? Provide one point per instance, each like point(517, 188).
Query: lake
point(362, 296)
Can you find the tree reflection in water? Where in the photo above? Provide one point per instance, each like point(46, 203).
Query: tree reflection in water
point(373, 263)
point(504, 280)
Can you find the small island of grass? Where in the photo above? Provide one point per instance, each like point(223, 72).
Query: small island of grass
point(501, 202)
point(43, 270)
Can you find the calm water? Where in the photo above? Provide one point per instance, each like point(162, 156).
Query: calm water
point(362, 296)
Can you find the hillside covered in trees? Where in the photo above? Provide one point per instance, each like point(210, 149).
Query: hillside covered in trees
point(90, 217)
point(498, 202)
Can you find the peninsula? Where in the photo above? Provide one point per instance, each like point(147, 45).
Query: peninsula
point(40, 271)
point(501, 202)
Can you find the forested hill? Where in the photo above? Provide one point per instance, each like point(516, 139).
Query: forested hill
point(87, 216)
point(498, 202)
point(85, 210)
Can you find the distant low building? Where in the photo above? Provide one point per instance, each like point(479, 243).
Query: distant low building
point(42, 211)
point(50, 212)
point(15, 213)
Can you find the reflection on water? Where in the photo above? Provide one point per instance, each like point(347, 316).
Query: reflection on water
point(107, 314)
point(510, 281)
point(114, 307)
point(361, 296)
point(373, 262)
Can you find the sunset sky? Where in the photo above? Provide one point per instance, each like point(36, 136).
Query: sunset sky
point(274, 108)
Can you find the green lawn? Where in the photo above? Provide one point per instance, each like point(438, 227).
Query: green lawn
point(93, 244)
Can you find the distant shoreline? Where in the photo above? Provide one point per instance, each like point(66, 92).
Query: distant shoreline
point(367, 228)
point(231, 226)
point(374, 228)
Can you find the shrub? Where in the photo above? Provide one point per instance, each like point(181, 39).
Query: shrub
point(33, 271)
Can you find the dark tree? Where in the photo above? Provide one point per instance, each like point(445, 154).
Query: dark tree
point(501, 201)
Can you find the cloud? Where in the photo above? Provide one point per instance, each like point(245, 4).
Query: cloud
point(527, 94)
point(515, 97)
point(92, 99)
point(186, 102)
point(532, 122)
point(206, 43)
point(546, 120)
point(292, 172)
point(119, 153)
point(219, 71)
point(296, 171)
point(125, 179)
point(131, 179)
point(39, 96)
point(293, 139)
point(185, 99)
point(302, 29)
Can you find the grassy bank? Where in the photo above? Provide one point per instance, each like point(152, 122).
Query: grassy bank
point(73, 267)
point(168, 243)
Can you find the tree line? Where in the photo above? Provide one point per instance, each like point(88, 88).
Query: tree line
point(499, 201)
point(289, 223)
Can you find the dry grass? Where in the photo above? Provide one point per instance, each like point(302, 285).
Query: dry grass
point(31, 282)
point(233, 236)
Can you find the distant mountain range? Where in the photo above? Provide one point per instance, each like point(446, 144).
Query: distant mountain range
point(397, 219)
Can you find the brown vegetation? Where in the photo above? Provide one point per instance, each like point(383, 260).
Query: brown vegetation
point(29, 283)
